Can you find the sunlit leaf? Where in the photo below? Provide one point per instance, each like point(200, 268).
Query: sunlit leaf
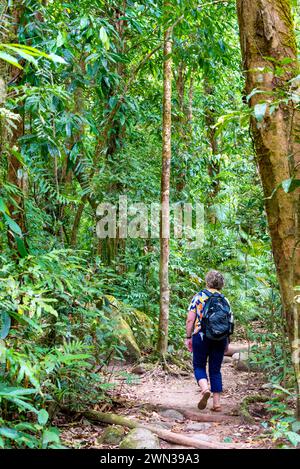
point(289, 185)
point(10, 59)
point(260, 111)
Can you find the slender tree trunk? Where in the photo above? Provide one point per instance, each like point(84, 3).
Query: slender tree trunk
point(117, 130)
point(210, 120)
point(183, 128)
point(180, 86)
point(17, 177)
point(165, 198)
point(112, 248)
point(15, 172)
point(191, 97)
point(76, 222)
point(267, 42)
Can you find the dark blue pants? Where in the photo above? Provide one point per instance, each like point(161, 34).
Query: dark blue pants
point(212, 350)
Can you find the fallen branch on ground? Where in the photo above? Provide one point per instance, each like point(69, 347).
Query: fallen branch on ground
point(197, 417)
point(166, 435)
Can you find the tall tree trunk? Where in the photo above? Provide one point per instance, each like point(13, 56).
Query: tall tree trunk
point(191, 97)
point(267, 37)
point(17, 177)
point(165, 198)
point(111, 248)
point(180, 127)
point(117, 131)
point(180, 86)
point(15, 172)
point(210, 121)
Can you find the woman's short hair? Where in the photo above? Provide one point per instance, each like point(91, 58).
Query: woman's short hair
point(214, 279)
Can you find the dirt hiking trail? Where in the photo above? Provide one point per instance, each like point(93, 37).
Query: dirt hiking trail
point(169, 402)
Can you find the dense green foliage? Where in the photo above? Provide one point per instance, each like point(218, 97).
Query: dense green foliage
point(91, 107)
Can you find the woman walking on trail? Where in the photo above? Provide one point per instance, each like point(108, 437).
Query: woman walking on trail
point(208, 326)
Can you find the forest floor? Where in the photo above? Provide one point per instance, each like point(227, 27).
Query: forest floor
point(147, 397)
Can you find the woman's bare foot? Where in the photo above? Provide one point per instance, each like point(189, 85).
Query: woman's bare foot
point(216, 402)
point(216, 408)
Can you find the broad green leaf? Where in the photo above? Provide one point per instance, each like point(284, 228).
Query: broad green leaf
point(10, 391)
point(50, 436)
point(13, 225)
point(260, 111)
point(84, 22)
point(289, 185)
point(25, 55)
point(3, 207)
point(253, 93)
point(22, 404)
point(32, 50)
point(57, 59)
point(103, 34)
point(122, 119)
point(296, 426)
point(60, 39)
point(43, 417)
point(21, 247)
point(25, 426)
point(104, 37)
point(10, 59)
point(5, 325)
point(9, 433)
point(294, 438)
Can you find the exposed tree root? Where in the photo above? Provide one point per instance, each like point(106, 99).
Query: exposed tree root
point(166, 435)
point(244, 406)
point(162, 361)
point(186, 367)
point(166, 361)
point(170, 371)
point(166, 367)
point(197, 416)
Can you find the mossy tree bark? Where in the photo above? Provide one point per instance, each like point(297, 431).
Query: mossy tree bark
point(165, 194)
point(268, 42)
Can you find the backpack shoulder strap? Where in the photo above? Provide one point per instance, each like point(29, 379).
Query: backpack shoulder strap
point(207, 301)
point(207, 292)
point(215, 294)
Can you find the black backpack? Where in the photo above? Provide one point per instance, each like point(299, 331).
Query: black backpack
point(217, 320)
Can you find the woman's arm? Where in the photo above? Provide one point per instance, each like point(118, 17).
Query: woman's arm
point(191, 317)
point(190, 321)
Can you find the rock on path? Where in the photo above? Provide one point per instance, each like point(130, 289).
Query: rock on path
point(140, 438)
